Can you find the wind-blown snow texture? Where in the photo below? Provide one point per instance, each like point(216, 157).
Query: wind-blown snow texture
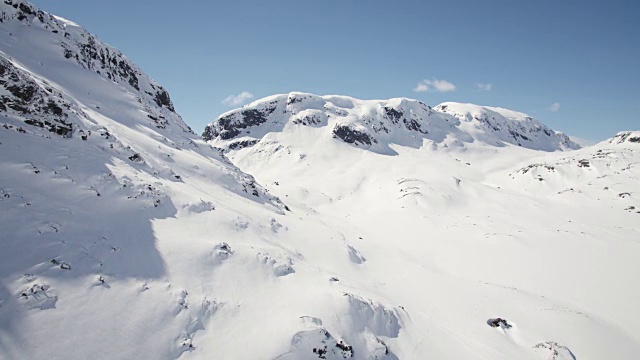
point(126, 236)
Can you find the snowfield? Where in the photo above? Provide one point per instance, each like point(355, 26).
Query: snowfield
point(367, 229)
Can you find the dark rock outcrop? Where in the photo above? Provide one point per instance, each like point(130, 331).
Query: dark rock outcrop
point(353, 136)
point(230, 126)
point(38, 106)
point(632, 137)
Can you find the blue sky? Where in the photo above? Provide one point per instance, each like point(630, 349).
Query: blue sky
point(574, 65)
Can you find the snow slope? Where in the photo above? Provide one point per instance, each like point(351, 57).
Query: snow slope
point(462, 226)
point(96, 166)
point(127, 236)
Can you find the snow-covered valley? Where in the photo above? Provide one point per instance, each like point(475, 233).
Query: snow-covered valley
point(299, 226)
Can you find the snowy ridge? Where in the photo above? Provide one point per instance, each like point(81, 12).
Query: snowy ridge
point(509, 126)
point(595, 166)
point(377, 124)
point(69, 45)
point(94, 158)
point(57, 77)
point(626, 137)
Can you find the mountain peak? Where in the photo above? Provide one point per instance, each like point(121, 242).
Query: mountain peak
point(509, 126)
point(626, 137)
point(59, 54)
point(377, 124)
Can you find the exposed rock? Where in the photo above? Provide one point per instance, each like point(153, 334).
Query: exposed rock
point(222, 252)
point(281, 265)
point(499, 322)
point(162, 98)
point(555, 351)
point(237, 145)
point(136, 157)
point(510, 126)
point(629, 137)
point(353, 136)
point(230, 126)
point(77, 45)
point(39, 106)
point(583, 163)
point(377, 124)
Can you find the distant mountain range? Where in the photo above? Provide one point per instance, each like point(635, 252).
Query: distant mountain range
point(376, 124)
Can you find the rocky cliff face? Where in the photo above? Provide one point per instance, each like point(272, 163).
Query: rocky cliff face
point(40, 106)
point(67, 44)
point(58, 80)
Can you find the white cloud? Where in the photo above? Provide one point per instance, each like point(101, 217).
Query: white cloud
point(234, 100)
point(554, 107)
point(434, 85)
point(483, 87)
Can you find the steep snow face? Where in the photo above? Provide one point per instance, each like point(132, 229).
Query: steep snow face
point(508, 126)
point(35, 43)
point(59, 81)
point(97, 174)
point(376, 125)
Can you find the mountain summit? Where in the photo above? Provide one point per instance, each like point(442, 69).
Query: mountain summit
point(40, 51)
point(377, 124)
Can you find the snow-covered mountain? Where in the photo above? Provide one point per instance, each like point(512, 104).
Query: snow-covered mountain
point(125, 235)
point(626, 137)
point(378, 124)
point(93, 159)
point(483, 213)
point(503, 125)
